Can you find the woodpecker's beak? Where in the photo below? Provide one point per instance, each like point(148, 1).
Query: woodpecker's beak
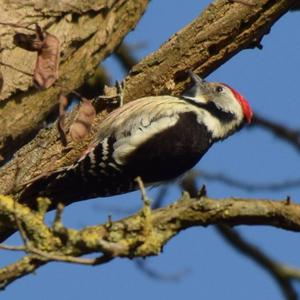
point(196, 78)
point(198, 91)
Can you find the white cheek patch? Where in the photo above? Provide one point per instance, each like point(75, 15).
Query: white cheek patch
point(211, 123)
point(218, 129)
point(126, 145)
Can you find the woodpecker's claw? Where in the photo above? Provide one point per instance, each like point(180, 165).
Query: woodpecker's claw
point(120, 88)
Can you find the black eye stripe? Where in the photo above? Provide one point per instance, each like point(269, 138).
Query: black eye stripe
point(211, 107)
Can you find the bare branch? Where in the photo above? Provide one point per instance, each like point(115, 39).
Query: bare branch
point(12, 248)
point(219, 33)
point(281, 131)
point(282, 274)
point(125, 57)
point(140, 235)
point(248, 186)
point(156, 275)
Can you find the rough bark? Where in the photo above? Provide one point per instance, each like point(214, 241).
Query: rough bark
point(88, 32)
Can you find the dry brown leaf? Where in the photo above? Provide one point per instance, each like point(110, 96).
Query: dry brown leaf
point(46, 68)
point(47, 46)
point(83, 121)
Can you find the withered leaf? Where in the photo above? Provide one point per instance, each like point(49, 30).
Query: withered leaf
point(83, 121)
point(46, 67)
point(47, 47)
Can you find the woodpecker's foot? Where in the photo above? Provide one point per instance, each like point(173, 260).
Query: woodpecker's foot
point(202, 192)
point(113, 93)
point(120, 85)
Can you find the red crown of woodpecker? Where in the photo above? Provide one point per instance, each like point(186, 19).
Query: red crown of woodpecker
point(248, 113)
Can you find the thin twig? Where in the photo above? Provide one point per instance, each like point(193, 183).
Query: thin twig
point(156, 275)
point(276, 269)
point(125, 57)
point(291, 272)
point(282, 131)
point(250, 187)
point(279, 272)
point(145, 198)
point(12, 248)
point(58, 257)
point(70, 259)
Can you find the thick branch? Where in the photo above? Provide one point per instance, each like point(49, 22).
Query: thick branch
point(281, 273)
point(88, 33)
point(220, 32)
point(143, 234)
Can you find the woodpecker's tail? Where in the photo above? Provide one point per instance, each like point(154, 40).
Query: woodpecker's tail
point(76, 183)
point(62, 186)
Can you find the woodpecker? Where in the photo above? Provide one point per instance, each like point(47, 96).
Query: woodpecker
point(157, 138)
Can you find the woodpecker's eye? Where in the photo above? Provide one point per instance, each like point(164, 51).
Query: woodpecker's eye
point(219, 89)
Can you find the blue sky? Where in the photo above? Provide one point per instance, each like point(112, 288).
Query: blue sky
point(211, 269)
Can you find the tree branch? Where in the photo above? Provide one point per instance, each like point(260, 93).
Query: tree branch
point(247, 186)
point(142, 234)
point(88, 33)
point(220, 32)
point(281, 273)
point(281, 131)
